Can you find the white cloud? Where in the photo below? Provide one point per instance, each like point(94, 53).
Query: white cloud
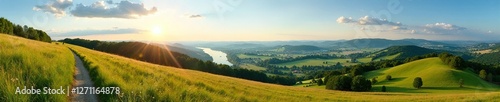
point(444, 26)
point(344, 20)
point(56, 7)
point(124, 9)
point(366, 20)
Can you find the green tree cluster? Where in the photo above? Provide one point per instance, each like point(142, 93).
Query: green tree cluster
point(10, 28)
point(347, 83)
point(453, 61)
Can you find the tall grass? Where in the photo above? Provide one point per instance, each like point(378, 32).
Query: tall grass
point(140, 81)
point(29, 63)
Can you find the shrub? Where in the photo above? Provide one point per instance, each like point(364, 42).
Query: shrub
point(360, 83)
point(388, 77)
point(383, 88)
point(482, 74)
point(320, 82)
point(490, 77)
point(417, 82)
point(461, 82)
point(374, 80)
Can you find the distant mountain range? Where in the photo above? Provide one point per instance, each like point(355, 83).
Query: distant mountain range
point(407, 51)
point(336, 44)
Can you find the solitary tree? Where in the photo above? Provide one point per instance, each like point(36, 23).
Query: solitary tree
point(388, 77)
point(482, 74)
point(383, 88)
point(417, 82)
point(461, 82)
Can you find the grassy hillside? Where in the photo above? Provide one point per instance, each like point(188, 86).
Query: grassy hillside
point(142, 81)
point(437, 78)
point(29, 63)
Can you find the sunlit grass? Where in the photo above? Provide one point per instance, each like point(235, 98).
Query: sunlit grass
point(142, 81)
point(437, 78)
point(29, 63)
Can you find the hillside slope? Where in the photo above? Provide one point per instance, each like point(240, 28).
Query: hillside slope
point(25, 62)
point(437, 77)
point(140, 81)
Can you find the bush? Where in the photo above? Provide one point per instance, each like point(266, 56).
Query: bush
point(360, 83)
point(320, 82)
point(483, 74)
point(461, 82)
point(417, 82)
point(388, 77)
point(374, 80)
point(490, 77)
point(339, 83)
point(356, 71)
point(383, 88)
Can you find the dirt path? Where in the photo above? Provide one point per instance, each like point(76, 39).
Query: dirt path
point(82, 79)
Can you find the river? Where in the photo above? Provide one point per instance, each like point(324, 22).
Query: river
point(217, 56)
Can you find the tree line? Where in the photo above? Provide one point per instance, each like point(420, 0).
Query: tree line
point(157, 55)
point(10, 28)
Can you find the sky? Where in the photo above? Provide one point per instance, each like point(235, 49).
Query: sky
point(258, 20)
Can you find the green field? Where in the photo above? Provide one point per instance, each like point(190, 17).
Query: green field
point(319, 62)
point(437, 78)
point(244, 56)
point(142, 81)
point(252, 67)
point(29, 63)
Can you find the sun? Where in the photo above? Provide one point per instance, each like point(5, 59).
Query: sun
point(156, 30)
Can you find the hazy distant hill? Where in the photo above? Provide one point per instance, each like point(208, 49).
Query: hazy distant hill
point(405, 51)
point(188, 50)
point(384, 43)
point(290, 48)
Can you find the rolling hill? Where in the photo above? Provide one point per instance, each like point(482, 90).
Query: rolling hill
point(29, 62)
point(142, 81)
point(437, 78)
point(187, 50)
point(384, 43)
